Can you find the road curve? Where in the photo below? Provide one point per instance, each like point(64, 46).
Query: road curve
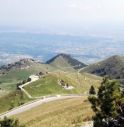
point(35, 103)
point(33, 79)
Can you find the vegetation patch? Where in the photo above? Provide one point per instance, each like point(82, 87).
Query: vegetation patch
point(62, 113)
point(12, 100)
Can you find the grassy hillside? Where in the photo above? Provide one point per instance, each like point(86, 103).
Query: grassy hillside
point(62, 113)
point(113, 67)
point(65, 62)
point(9, 80)
point(81, 82)
point(49, 84)
point(12, 100)
point(13, 73)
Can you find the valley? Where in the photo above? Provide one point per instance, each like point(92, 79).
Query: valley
point(18, 45)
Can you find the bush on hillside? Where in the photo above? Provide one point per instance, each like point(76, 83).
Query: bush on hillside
point(7, 122)
point(92, 90)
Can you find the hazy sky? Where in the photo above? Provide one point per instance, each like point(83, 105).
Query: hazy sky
point(64, 16)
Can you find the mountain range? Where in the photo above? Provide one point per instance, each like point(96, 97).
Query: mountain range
point(57, 73)
point(112, 66)
point(61, 68)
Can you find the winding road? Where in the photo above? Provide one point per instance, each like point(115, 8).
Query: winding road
point(33, 79)
point(36, 103)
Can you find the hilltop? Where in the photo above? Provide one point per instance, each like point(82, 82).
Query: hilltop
point(65, 61)
point(13, 73)
point(113, 67)
point(21, 64)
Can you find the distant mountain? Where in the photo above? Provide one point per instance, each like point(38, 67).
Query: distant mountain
point(65, 61)
point(113, 67)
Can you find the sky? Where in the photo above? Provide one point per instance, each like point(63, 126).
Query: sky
point(94, 17)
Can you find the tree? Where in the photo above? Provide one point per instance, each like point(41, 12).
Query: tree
point(24, 81)
point(41, 73)
point(29, 79)
point(18, 84)
point(92, 90)
point(108, 105)
point(7, 122)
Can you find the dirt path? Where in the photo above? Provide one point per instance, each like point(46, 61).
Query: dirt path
point(33, 79)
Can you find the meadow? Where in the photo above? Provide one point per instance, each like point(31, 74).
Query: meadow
point(72, 112)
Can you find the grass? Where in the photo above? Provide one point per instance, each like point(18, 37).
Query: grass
point(49, 84)
point(82, 82)
point(8, 82)
point(62, 113)
point(45, 86)
point(12, 100)
point(9, 96)
point(62, 64)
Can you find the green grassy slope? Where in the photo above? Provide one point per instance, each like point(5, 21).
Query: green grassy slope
point(49, 84)
point(12, 100)
point(65, 62)
point(81, 82)
point(13, 73)
point(9, 80)
point(46, 86)
point(113, 67)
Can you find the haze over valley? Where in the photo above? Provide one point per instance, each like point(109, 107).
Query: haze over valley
point(88, 49)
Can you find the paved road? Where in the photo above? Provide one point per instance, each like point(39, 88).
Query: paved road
point(81, 69)
point(36, 103)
